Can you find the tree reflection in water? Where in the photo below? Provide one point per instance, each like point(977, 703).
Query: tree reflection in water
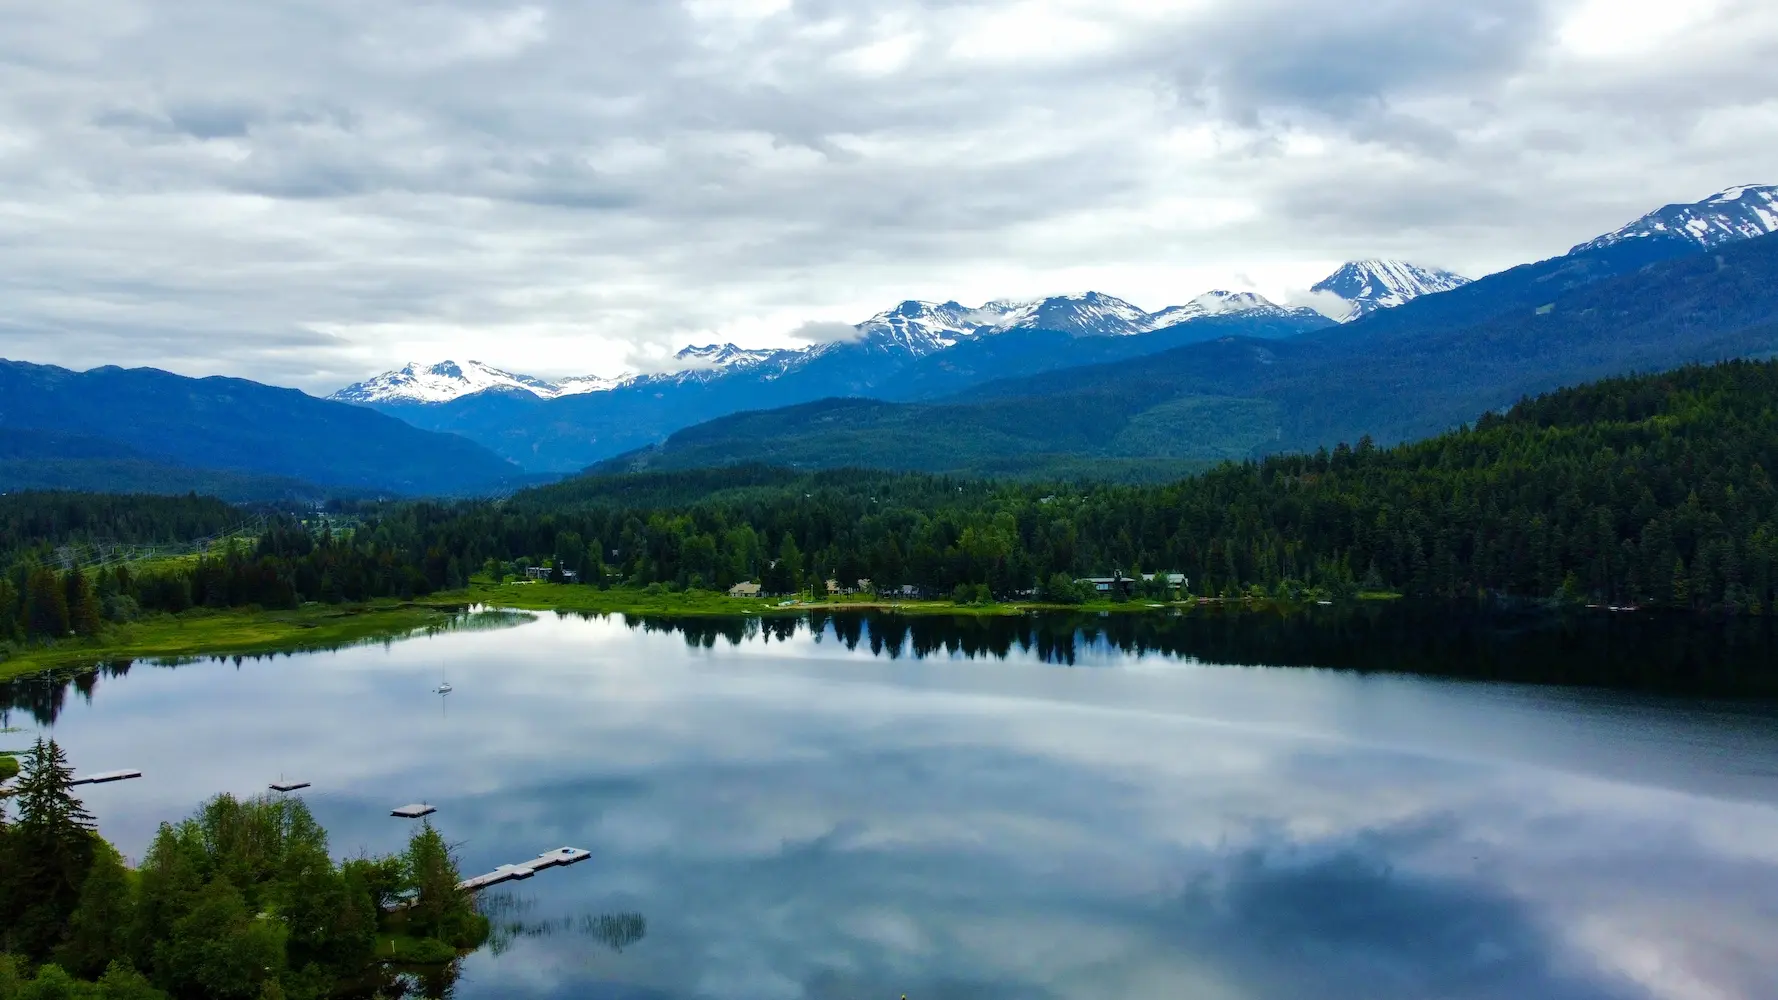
point(1667, 653)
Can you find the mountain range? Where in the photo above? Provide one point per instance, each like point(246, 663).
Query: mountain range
point(919, 328)
point(1650, 299)
point(915, 350)
point(1085, 384)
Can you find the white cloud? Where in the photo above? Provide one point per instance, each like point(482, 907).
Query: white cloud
point(1604, 28)
point(817, 331)
point(308, 192)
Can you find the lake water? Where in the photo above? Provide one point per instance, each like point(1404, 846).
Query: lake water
point(862, 808)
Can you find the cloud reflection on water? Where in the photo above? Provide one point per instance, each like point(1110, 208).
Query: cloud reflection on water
point(802, 819)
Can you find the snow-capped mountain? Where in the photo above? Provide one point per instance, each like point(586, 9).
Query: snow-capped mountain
point(574, 385)
point(439, 383)
point(1737, 213)
point(1090, 314)
point(709, 362)
point(1361, 287)
point(913, 329)
point(1222, 303)
point(720, 356)
point(923, 327)
point(447, 380)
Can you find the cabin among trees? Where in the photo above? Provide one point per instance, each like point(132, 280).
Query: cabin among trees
point(1115, 585)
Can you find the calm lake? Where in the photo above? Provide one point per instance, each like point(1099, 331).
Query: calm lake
point(851, 807)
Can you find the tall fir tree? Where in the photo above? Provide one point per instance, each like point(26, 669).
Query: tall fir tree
point(83, 603)
point(51, 847)
point(46, 604)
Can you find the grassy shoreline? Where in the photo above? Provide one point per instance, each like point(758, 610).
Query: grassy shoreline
point(247, 631)
point(229, 632)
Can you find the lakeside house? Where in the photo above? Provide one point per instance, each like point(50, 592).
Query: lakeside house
point(1118, 584)
point(542, 573)
point(1113, 585)
point(744, 590)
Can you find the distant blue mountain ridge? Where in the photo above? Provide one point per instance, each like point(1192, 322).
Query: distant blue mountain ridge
point(1072, 384)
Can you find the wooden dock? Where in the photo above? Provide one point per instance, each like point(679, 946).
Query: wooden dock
point(105, 777)
point(414, 811)
point(525, 869)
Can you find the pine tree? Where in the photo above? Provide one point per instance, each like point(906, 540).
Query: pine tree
point(46, 605)
point(9, 610)
point(51, 849)
point(83, 604)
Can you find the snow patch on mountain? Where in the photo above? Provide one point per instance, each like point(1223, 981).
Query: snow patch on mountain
point(1222, 303)
point(575, 385)
point(1361, 287)
point(923, 327)
point(913, 328)
point(1738, 213)
point(1089, 314)
point(720, 356)
point(439, 383)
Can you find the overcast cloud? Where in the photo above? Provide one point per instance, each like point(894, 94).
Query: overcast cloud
point(310, 192)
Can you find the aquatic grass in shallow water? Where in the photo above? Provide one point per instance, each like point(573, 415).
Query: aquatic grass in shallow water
point(506, 912)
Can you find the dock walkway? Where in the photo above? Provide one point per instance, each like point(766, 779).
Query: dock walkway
point(105, 777)
point(525, 869)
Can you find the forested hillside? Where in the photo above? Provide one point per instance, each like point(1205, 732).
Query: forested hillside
point(32, 523)
point(124, 428)
point(1650, 491)
point(35, 459)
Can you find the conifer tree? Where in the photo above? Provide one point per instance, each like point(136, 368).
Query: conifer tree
point(83, 604)
point(51, 851)
point(46, 604)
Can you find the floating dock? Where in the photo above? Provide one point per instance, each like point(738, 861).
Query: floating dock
point(288, 786)
point(414, 811)
point(525, 869)
point(105, 777)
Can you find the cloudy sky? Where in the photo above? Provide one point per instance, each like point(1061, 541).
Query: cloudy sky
point(310, 192)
